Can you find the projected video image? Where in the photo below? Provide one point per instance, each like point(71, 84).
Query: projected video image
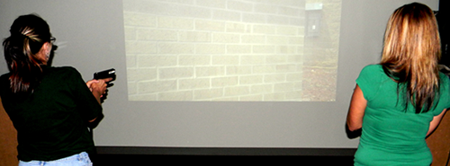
point(232, 50)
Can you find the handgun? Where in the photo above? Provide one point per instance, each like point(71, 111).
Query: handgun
point(110, 73)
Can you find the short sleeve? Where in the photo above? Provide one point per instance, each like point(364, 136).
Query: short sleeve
point(444, 97)
point(369, 80)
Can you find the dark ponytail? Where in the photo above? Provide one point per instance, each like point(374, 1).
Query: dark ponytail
point(28, 35)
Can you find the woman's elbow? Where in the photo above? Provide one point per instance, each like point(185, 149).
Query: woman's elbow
point(353, 126)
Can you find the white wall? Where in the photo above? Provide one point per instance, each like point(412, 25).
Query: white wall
point(91, 38)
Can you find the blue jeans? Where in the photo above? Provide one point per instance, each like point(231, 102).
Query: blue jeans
point(81, 159)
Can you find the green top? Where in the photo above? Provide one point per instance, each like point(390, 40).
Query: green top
point(391, 135)
point(52, 121)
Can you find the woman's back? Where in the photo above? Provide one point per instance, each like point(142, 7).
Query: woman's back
point(390, 134)
point(52, 121)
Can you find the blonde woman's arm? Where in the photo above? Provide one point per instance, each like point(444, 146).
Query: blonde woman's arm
point(356, 111)
point(435, 122)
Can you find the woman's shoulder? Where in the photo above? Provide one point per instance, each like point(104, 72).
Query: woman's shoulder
point(63, 69)
point(6, 75)
point(373, 70)
point(373, 67)
point(63, 72)
point(4, 79)
point(444, 79)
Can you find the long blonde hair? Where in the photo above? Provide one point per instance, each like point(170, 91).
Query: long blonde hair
point(411, 53)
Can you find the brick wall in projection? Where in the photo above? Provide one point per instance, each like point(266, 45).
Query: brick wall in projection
point(232, 50)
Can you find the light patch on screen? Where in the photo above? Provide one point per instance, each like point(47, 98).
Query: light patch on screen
point(232, 50)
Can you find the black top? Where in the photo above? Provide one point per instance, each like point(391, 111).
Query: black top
point(52, 122)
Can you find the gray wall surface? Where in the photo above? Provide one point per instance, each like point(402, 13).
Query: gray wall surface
point(90, 35)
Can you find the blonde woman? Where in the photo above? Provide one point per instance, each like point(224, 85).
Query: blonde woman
point(400, 101)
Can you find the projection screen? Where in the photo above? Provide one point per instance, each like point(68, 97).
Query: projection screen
point(218, 73)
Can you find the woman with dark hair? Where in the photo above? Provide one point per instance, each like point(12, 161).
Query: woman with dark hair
point(50, 107)
point(400, 101)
